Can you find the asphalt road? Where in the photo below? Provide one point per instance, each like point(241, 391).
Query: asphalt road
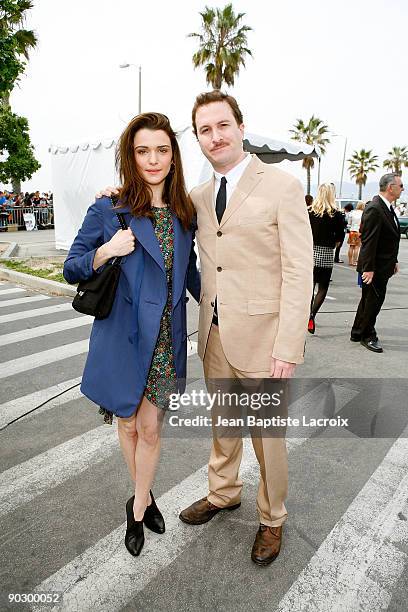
point(63, 485)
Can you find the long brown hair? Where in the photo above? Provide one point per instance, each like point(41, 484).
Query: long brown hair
point(135, 192)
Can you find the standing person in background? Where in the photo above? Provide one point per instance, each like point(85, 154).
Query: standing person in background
point(354, 240)
point(378, 260)
point(345, 212)
point(327, 224)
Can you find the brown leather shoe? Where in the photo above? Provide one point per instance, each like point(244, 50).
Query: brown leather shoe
point(202, 511)
point(267, 544)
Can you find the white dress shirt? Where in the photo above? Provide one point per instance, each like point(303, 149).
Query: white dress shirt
point(388, 204)
point(232, 177)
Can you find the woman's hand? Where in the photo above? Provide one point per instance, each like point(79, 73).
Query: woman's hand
point(121, 244)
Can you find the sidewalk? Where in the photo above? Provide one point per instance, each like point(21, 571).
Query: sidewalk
point(39, 243)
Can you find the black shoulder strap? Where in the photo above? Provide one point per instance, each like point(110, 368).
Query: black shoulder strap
point(122, 220)
point(121, 217)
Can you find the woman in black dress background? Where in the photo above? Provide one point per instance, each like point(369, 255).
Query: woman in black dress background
point(328, 231)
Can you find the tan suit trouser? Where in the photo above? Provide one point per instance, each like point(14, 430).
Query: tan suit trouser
point(226, 454)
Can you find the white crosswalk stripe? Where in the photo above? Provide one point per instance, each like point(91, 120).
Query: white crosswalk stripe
point(36, 360)
point(59, 460)
point(83, 581)
point(37, 312)
point(27, 480)
point(356, 567)
point(7, 290)
point(24, 300)
point(359, 562)
point(44, 330)
point(16, 408)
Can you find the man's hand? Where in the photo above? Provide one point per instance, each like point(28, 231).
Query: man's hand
point(367, 277)
point(282, 369)
point(396, 269)
point(108, 192)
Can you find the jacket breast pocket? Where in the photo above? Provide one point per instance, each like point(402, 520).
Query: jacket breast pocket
point(259, 307)
point(260, 216)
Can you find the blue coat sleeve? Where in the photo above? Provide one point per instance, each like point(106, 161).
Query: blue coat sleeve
point(193, 275)
point(79, 262)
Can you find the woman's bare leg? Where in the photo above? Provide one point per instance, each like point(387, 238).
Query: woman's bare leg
point(350, 255)
point(149, 421)
point(128, 440)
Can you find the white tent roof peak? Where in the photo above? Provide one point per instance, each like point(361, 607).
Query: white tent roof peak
point(106, 143)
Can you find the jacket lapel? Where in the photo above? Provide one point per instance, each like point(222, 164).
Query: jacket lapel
point(246, 184)
point(182, 245)
point(389, 216)
point(208, 199)
point(143, 230)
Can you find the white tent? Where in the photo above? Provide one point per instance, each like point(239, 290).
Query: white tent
point(79, 171)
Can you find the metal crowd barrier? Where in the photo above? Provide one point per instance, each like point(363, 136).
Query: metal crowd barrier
point(44, 216)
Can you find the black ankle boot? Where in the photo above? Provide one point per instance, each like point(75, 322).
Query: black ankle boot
point(153, 518)
point(134, 538)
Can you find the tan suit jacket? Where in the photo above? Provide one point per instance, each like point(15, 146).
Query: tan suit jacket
point(259, 264)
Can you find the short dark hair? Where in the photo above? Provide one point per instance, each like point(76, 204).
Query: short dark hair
point(388, 179)
point(216, 96)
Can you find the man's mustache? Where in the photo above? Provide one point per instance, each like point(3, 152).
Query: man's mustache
point(221, 146)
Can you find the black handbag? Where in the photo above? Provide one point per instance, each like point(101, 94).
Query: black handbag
point(95, 295)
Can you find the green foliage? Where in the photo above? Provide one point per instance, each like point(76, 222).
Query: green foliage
point(15, 43)
point(397, 160)
point(360, 165)
point(20, 266)
point(10, 66)
point(14, 138)
point(312, 133)
point(222, 45)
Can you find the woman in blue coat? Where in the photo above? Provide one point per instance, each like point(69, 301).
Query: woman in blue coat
point(139, 352)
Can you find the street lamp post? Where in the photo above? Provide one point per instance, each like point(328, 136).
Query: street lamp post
point(343, 162)
point(140, 82)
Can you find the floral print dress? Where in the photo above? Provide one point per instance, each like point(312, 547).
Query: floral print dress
point(162, 373)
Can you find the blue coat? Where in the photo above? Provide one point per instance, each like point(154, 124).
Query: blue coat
point(121, 346)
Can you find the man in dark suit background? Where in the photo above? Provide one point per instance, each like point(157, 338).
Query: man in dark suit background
point(377, 262)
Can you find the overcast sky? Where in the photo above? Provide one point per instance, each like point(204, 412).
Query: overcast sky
point(343, 61)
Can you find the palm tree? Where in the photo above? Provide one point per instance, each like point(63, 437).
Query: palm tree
point(312, 133)
point(12, 16)
point(223, 45)
point(397, 160)
point(361, 163)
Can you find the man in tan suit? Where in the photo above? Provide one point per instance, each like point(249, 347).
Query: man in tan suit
point(256, 256)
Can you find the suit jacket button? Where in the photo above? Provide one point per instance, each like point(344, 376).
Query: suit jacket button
point(219, 233)
point(219, 268)
point(212, 304)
